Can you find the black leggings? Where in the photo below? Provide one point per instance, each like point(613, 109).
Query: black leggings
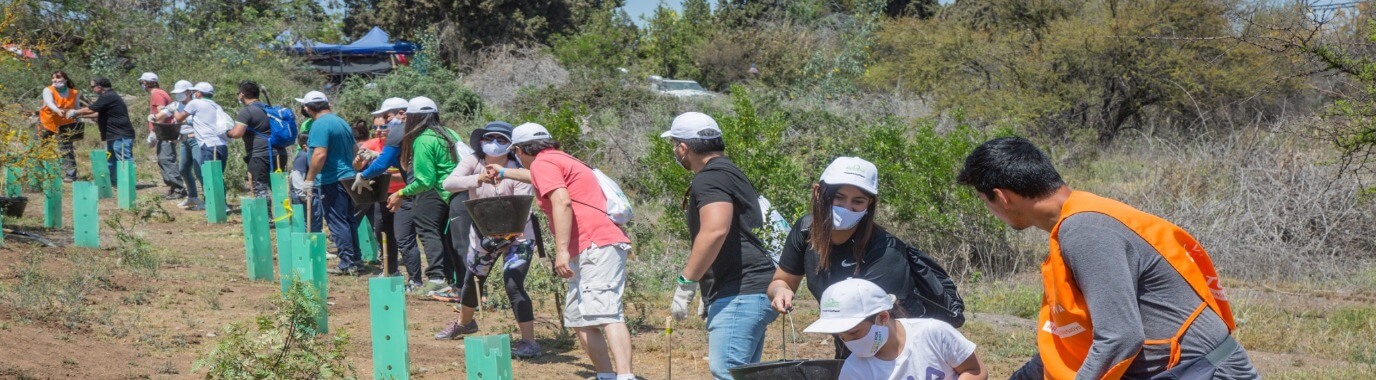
point(515, 286)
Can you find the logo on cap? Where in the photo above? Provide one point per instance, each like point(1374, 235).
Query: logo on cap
point(831, 305)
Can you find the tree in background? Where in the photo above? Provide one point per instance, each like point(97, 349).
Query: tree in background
point(468, 25)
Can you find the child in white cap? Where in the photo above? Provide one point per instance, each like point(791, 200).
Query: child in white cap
point(883, 346)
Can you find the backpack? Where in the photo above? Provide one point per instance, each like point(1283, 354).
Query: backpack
point(935, 289)
point(284, 129)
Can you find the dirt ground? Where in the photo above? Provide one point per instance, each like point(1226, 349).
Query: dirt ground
point(134, 327)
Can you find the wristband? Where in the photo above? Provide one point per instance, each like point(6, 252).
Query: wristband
point(501, 173)
point(684, 281)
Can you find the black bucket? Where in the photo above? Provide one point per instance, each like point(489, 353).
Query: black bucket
point(365, 197)
point(498, 216)
point(13, 206)
point(167, 131)
point(820, 369)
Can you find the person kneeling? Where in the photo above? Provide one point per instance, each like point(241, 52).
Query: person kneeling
point(886, 347)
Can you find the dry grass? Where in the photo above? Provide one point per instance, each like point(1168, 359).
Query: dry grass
point(500, 72)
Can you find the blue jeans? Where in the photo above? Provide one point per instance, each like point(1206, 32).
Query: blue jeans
point(735, 331)
point(338, 208)
point(188, 159)
point(213, 153)
point(118, 150)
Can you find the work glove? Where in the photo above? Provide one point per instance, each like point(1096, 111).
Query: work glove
point(71, 114)
point(151, 118)
point(152, 140)
point(309, 188)
point(683, 295)
point(360, 183)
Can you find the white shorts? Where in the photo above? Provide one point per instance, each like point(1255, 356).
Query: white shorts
point(599, 278)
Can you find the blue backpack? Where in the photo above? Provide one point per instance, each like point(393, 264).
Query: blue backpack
point(283, 122)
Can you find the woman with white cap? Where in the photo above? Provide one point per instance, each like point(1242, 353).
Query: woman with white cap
point(493, 143)
point(430, 152)
point(840, 240)
point(886, 346)
point(189, 151)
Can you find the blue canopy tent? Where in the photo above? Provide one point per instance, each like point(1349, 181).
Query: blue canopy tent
point(373, 53)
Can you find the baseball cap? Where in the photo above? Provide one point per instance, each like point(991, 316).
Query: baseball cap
point(529, 132)
point(847, 303)
point(421, 104)
point(853, 171)
point(148, 77)
point(181, 87)
point(204, 87)
point(499, 127)
point(392, 104)
point(312, 97)
point(693, 125)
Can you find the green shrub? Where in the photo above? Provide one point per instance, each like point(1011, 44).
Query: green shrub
point(283, 347)
point(362, 95)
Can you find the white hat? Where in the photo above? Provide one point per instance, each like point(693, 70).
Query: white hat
point(693, 125)
point(847, 303)
point(421, 104)
point(181, 87)
point(853, 171)
point(392, 104)
point(149, 77)
point(529, 132)
point(312, 97)
point(205, 87)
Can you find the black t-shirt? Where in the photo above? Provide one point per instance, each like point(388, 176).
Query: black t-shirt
point(260, 128)
point(742, 267)
point(885, 263)
point(113, 117)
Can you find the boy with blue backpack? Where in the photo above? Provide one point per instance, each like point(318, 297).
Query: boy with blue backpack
point(267, 132)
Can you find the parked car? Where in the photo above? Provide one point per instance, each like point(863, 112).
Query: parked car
point(679, 88)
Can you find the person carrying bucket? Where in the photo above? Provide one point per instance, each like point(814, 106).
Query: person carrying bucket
point(492, 145)
point(1127, 294)
point(724, 215)
point(886, 346)
point(840, 239)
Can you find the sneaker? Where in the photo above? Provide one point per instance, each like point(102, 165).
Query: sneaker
point(174, 195)
point(190, 202)
point(196, 208)
point(454, 330)
point(413, 287)
point(343, 271)
point(432, 286)
point(525, 349)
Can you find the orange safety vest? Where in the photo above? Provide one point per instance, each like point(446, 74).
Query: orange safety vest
point(51, 120)
point(1066, 329)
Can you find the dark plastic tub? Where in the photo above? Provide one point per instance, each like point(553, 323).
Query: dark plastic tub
point(497, 216)
point(13, 206)
point(821, 369)
point(167, 131)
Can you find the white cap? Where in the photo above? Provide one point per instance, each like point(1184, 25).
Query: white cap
point(149, 77)
point(392, 104)
point(421, 104)
point(847, 303)
point(529, 132)
point(181, 87)
point(204, 87)
point(853, 171)
point(312, 97)
point(693, 125)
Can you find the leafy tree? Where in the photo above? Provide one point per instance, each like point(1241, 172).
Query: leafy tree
point(670, 39)
point(604, 41)
point(473, 24)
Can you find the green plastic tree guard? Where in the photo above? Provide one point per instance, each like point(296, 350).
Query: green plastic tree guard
point(488, 357)
point(367, 246)
point(12, 186)
point(280, 196)
point(257, 248)
point(85, 214)
point(100, 173)
point(387, 302)
point(287, 246)
point(309, 266)
point(52, 203)
point(214, 183)
point(127, 184)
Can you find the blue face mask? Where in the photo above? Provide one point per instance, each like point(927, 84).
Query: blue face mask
point(844, 219)
point(493, 148)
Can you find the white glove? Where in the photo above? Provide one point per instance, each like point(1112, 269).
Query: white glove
point(71, 114)
point(308, 187)
point(151, 118)
point(360, 183)
point(683, 295)
point(152, 140)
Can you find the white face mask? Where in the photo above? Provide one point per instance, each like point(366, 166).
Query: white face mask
point(680, 160)
point(60, 83)
point(844, 219)
point(869, 344)
point(493, 148)
point(181, 97)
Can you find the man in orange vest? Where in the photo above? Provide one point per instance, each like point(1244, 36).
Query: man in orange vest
point(1127, 294)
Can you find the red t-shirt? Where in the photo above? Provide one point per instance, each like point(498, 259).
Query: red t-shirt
point(156, 99)
point(553, 170)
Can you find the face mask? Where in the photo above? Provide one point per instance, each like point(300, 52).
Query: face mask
point(869, 344)
point(60, 84)
point(680, 161)
point(493, 148)
point(844, 219)
point(145, 87)
point(181, 97)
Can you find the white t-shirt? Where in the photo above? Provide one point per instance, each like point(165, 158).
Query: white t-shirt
point(204, 115)
point(932, 352)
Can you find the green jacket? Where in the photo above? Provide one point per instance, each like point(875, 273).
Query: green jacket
point(431, 161)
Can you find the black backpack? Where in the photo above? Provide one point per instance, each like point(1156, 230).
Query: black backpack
point(934, 288)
